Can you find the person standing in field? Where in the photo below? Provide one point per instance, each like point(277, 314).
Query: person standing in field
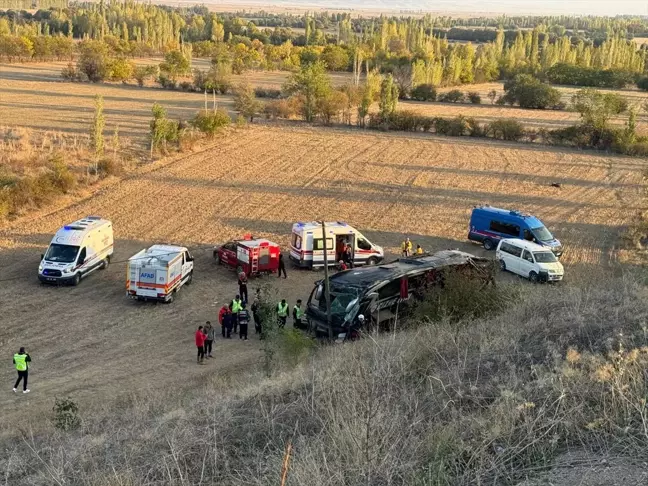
point(210, 331)
point(298, 315)
point(256, 312)
point(201, 337)
point(406, 247)
point(282, 313)
point(21, 361)
point(242, 283)
point(237, 305)
point(282, 267)
point(244, 320)
point(223, 310)
point(228, 322)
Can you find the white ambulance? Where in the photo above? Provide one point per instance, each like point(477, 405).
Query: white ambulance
point(307, 245)
point(159, 272)
point(77, 250)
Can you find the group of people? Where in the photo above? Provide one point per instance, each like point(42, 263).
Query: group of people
point(407, 248)
point(234, 318)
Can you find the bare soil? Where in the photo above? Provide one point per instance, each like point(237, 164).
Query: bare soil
point(93, 343)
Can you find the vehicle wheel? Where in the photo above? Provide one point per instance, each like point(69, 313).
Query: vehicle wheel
point(190, 278)
point(372, 261)
point(217, 258)
point(503, 265)
point(105, 263)
point(170, 299)
point(533, 277)
point(77, 279)
point(488, 245)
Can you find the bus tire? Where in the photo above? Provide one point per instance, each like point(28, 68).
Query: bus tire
point(488, 244)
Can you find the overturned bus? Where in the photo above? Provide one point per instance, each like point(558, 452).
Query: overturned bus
point(380, 293)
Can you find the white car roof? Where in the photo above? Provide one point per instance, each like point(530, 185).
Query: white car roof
point(163, 253)
point(313, 225)
point(74, 233)
point(527, 245)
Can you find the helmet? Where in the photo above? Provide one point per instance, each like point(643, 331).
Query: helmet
point(360, 317)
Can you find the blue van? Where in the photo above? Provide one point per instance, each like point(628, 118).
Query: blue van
point(490, 225)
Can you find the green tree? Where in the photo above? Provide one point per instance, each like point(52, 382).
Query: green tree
point(312, 83)
point(175, 64)
point(211, 121)
point(388, 97)
point(529, 92)
point(96, 130)
point(245, 102)
point(120, 69)
point(163, 130)
point(596, 108)
point(93, 60)
point(336, 58)
point(142, 73)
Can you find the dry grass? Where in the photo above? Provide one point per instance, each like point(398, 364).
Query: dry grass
point(485, 402)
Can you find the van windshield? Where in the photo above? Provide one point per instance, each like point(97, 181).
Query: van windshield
point(545, 257)
point(542, 234)
point(61, 253)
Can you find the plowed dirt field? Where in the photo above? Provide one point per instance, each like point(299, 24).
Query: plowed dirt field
point(91, 342)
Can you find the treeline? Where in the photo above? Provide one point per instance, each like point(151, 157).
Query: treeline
point(406, 48)
point(31, 4)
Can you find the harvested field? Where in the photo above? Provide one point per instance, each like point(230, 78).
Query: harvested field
point(91, 342)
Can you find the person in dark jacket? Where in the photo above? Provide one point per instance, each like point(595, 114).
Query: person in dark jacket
point(21, 361)
point(282, 267)
point(243, 320)
point(228, 322)
point(256, 313)
point(242, 283)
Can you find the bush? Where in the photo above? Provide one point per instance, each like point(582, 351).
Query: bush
point(511, 130)
point(586, 76)
point(142, 73)
point(424, 92)
point(267, 93)
point(69, 73)
point(66, 414)
point(454, 96)
point(108, 167)
point(210, 122)
point(283, 108)
point(166, 82)
point(61, 176)
point(475, 129)
point(474, 98)
point(528, 92)
point(643, 83)
point(186, 86)
point(456, 127)
point(294, 345)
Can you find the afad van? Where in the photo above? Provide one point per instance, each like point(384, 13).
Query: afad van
point(77, 250)
point(307, 245)
point(489, 226)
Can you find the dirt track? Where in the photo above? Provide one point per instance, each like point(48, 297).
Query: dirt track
point(91, 342)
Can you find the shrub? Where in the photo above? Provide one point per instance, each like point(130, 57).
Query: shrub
point(424, 92)
point(69, 73)
point(108, 167)
point(294, 345)
point(267, 93)
point(166, 82)
point(60, 175)
point(587, 76)
point(66, 414)
point(142, 73)
point(474, 98)
point(282, 108)
point(186, 86)
point(406, 121)
point(475, 129)
point(455, 127)
point(454, 96)
point(529, 92)
point(642, 83)
point(210, 122)
point(511, 130)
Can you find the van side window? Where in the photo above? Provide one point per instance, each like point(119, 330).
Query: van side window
point(364, 244)
point(318, 244)
point(82, 256)
point(527, 256)
point(511, 249)
point(505, 228)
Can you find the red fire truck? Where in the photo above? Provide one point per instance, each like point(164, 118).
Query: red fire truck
point(255, 256)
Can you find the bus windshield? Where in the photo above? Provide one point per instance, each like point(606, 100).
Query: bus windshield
point(61, 253)
point(542, 234)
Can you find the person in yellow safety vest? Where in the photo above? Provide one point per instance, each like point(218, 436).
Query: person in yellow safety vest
point(237, 306)
point(406, 247)
point(282, 312)
point(21, 360)
point(419, 250)
point(298, 314)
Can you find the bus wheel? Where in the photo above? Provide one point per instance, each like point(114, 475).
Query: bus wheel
point(488, 245)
